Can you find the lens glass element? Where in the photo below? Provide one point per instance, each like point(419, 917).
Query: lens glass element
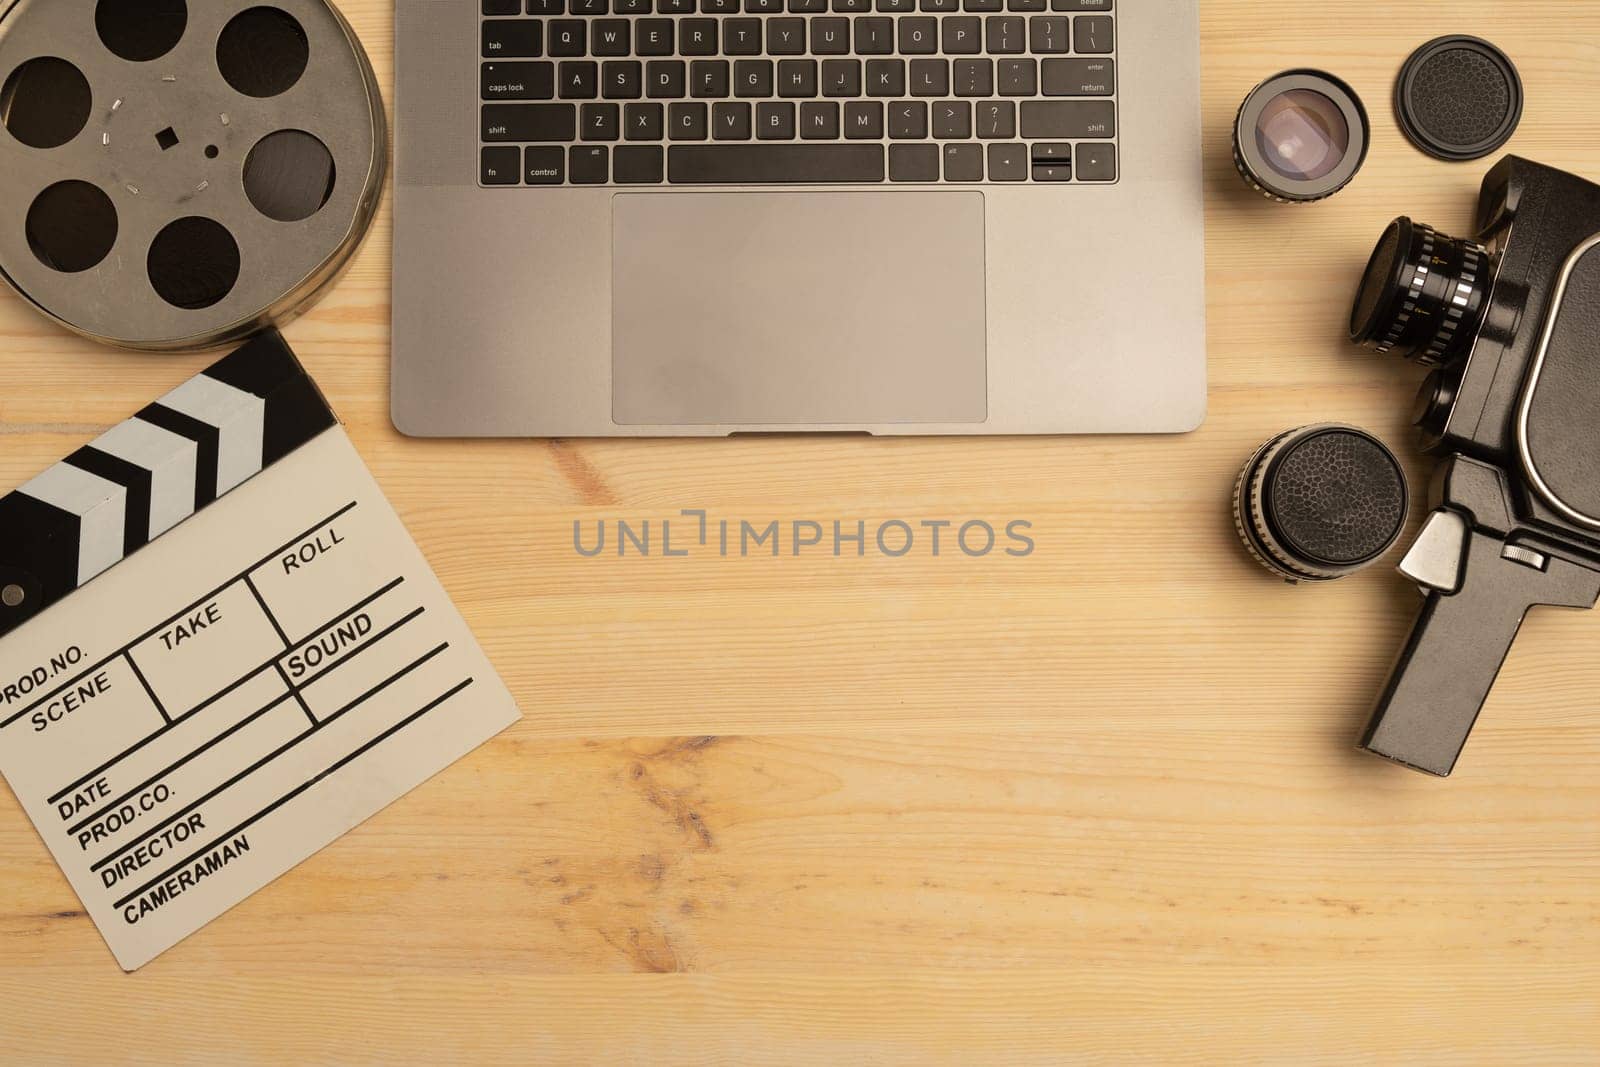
point(1302, 135)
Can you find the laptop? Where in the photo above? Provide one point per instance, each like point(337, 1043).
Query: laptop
point(713, 217)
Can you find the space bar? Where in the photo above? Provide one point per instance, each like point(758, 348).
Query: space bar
point(757, 164)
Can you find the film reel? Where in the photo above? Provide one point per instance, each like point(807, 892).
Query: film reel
point(179, 175)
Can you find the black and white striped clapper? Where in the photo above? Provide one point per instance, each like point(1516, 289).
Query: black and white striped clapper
point(144, 476)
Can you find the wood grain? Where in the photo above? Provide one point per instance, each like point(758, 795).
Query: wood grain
point(1098, 803)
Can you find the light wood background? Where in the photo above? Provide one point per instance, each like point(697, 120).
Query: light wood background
point(1098, 804)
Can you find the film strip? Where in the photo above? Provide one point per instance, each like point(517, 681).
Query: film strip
point(147, 474)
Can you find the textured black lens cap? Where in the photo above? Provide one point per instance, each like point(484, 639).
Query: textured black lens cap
point(1458, 98)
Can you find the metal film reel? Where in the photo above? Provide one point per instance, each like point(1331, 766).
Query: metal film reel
point(178, 175)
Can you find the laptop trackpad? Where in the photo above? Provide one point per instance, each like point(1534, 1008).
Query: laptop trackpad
point(807, 309)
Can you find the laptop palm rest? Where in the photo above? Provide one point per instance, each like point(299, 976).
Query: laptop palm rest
point(825, 310)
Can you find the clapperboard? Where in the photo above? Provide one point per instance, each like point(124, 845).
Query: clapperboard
point(219, 651)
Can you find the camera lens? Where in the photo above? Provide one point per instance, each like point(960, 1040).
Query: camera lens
point(1423, 295)
point(1300, 136)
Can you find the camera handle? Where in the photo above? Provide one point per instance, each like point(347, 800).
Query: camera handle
point(1479, 587)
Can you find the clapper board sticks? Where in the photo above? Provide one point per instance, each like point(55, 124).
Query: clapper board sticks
point(147, 474)
point(219, 651)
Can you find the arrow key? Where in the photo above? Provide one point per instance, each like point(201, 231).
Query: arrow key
point(1008, 162)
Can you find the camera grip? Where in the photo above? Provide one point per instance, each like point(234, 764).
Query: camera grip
point(1458, 644)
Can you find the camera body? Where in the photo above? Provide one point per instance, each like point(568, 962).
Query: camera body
point(1510, 323)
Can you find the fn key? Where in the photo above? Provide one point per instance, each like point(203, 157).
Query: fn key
point(501, 165)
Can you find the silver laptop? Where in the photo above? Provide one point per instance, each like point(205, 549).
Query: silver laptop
point(707, 217)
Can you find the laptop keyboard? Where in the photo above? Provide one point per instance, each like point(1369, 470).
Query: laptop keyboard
point(796, 92)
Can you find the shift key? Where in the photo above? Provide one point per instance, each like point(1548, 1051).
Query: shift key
point(530, 122)
point(1069, 119)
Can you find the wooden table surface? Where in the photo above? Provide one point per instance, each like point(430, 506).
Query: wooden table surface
point(1097, 803)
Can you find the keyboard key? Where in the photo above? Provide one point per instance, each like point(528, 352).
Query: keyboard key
point(963, 162)
point(797, 77)
point(930, 77)
point(1079, 77)
point(886, 77)
point(974, 77)
point(940, 5)
point(897, 6)
point(686, 122)
point(741, 37)
point(653, 37)
point(775, 121)
point(908, 120)
point(636, 164)
point(501, 165)
point(568, 37)
point(611, 37)
point(708, 78)
point(1056, 119)
point(698, 37)
point(590, 7)
point(674, 7)
point(919, 36)
point(807, 7)
point(664, 79)
point(982, 5)
point(512, 40)
point(753, 164)
point(786, 37)
point(631, 7)
point(547, 7)
point(752, 77)
point(1097, 163)
point(519, 81)
point(1049, 34)
point(730, 121)
point(863, 119)
point(588, 165)
point(762, 7)
point(502, 7)
point(1027, 5)
point(529, 122)
point(841, 77)
point(819, 120)
point(1093, 35)
point(1006, 34)
point(1058, 171)
point(621, 81)
point(1082, 5)
point(913, 162)
point(643, 122)
point(1008, 162)
point(600, 122)
point(830, 37)
point(545, 166)
point(1017, 77)
point(580, 80)
point(996, 118)
point(852, 6)
point(719, 7)
point(874, 36)
point(952, 120)
point(962, 36)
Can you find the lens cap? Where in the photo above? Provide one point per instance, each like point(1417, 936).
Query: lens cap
point(1320, 502)
point(1458, 98)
